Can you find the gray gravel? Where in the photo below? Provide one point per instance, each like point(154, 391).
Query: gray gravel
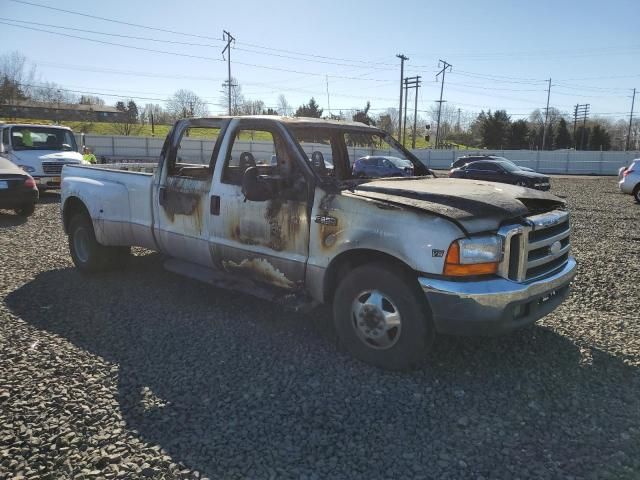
point(142, 373)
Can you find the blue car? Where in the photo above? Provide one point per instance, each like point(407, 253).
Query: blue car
point(382, 166)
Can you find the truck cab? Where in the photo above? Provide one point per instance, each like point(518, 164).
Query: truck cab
point(40, 150)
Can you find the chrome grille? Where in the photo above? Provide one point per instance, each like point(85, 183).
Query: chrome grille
point(52, 168)
point(536, 249)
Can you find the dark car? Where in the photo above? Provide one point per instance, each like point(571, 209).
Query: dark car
point(382, 166)
point(503, 172)
point(18, 190)
point(476, 158)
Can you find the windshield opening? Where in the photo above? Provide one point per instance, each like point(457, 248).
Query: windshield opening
point(42, 138)
point(509, 167)
point(355, 154)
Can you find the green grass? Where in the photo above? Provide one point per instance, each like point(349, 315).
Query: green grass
point(160, 131)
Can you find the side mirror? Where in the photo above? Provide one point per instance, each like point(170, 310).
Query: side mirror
point(254, 188)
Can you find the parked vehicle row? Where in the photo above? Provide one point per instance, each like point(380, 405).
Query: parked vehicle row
point(399, 259)
point(502, 172)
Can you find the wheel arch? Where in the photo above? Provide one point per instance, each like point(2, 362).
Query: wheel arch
point(72, 206)
point(354, 258)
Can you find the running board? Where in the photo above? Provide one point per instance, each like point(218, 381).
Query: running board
point(294, 301)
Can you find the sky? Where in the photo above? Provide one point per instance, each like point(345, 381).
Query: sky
point(343, 53)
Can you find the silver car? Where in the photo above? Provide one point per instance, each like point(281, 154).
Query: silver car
point(630, 180)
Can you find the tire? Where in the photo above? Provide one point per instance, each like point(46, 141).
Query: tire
point(636, 193)
point(377, 291)
point(26, 210)
point(87, 254)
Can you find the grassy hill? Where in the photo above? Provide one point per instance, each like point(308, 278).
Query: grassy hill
point(160, 131)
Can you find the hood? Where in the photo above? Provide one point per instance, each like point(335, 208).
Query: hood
point(34, 157)
point(9, 168)
point(475, 206)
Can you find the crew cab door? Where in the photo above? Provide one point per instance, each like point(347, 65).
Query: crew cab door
point(181, 191)
point(267, 241)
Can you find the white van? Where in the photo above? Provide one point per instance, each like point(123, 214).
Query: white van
point(40, 150)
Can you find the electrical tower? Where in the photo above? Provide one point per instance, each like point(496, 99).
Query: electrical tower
point(445, 66)
point(580, 112)
point(228, 38)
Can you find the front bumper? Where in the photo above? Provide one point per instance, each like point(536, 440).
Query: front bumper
point(494, 306)
point(47, 181)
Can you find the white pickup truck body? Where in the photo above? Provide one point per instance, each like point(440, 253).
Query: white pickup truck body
point(317, 234)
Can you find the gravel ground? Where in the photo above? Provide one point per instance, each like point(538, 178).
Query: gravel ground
point(142, 373)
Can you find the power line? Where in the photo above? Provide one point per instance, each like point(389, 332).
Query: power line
point(193, 35)
point(200, 57)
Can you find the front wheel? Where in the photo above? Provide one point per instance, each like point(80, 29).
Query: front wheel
point(26, 210)
point(89, 255)
point(381, 317)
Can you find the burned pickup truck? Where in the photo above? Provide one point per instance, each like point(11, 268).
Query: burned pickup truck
point(271, 206)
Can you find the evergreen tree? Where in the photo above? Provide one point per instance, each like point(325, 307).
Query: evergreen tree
point(599, 138)
point(519, 135)
point(363, 116)
point(312, 109)
point(495, 129)
point(563, 137)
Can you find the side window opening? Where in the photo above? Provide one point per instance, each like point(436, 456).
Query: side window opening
point(194, 153)
point(268, 152)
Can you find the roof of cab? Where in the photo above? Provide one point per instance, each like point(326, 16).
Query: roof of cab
point(27, 125)
point(301, 121)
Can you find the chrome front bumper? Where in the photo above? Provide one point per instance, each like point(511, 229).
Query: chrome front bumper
point(494, 306)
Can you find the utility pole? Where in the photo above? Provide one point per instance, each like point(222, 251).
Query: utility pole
point(580, 111)
point(229, 38)
point(458, 122)
point(633, 101)
point(406, 97)
point(415, 113)
point(402, 60)
point(328, 102)
point(546, 116)
point(445, 66)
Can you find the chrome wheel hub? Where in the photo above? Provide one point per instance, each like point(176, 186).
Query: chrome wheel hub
point(375, 319)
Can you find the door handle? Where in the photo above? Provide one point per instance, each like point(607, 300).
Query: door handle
point(214, 205)
point(162, 195)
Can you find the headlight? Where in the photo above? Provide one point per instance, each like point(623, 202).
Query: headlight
point(27, 168)
point(473, 256)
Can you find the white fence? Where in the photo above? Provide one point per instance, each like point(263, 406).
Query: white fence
point(554, 162)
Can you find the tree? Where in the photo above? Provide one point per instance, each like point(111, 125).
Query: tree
point(563, 137)
point(251, 107)
point(17, 78)
point(90, 100)
point(127, 123)
point(284, 108)
point(270, 111)
point(599, 138)
point(519, 135)
point(185, 104)
point(363, 115)
point(311, 109)
point(495, 129)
